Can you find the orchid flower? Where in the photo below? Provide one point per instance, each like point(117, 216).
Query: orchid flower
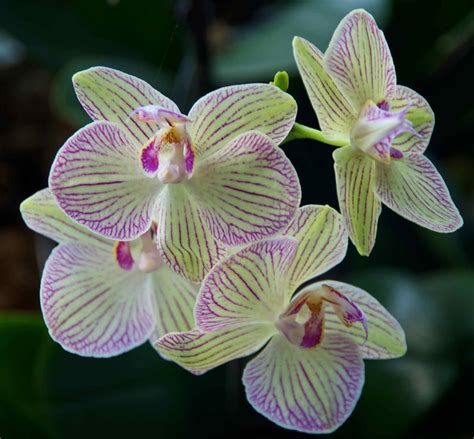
point(211, 179)
point(383, 129)
point(310, 374)
point(100, 297)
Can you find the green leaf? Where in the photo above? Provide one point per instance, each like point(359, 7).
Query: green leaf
point(23, 409)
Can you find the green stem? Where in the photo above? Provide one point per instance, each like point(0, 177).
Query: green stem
point(303, 132)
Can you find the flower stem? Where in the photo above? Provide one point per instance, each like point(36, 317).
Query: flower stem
point(303, 132)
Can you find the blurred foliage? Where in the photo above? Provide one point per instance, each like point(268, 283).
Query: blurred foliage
point(272, 33)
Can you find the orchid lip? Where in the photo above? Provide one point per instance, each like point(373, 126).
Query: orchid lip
point(303, 321)
point(168, 155)
point(140, 253)
point(377, 127)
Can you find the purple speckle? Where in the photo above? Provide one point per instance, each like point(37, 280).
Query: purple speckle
point(396, 154)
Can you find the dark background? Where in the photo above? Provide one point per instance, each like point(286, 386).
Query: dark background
point(185, 48)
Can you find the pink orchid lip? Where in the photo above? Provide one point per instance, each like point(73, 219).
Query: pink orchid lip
point(168, 155)
point(123, 255)
point(148, 259)
point(377, 127)
point(303, 322)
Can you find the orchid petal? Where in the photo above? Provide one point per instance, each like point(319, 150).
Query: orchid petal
point(110, 95)
point(322, 242)
point(309, 390)
point(413, 188)
point(42, 214)
point(247, 190)
point(173, 302)
point(91, 306)
point(383, 338)
point(359, 60)
point(97, 180)
point(355, 180)
point(223, 114)
point(248, 287)
point(199, 352)
point(335, 114)
point(186, 243)
point(420, 115)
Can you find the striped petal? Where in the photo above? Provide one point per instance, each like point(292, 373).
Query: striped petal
point(42, 214)
point(359, 60)
point(186, 243)
point(309, 390)
point(223, 114)
point(198, 352)
point(355, 180)
point(173, 302)
point(91, 306)
point(413, 188)
point(108, 94)
point(335, 114)
point(322, 242)
point(97, 180)
point(246, 288)
point(419, 114)
point(246, 191)
point(382, 339)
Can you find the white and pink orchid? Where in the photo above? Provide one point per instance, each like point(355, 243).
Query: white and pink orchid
point(100, 297)
point(310, 374)
point(385, 128)
point(208, 180)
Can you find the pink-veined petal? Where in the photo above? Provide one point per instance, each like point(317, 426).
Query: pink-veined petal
point(173, 302)
point(42, 214)
point(413, 188)
point(248, 287)
point(91, 306)
point(108, 94)
point(225, 113)
point(322, 242)
point(419, 114)
point(247, 190)
point(310, 390)
point(186, 243)
point(199, 352)
point(385, 337)
point(97, 180)
point(335, 114)
point(355, 180)
point(359, 60)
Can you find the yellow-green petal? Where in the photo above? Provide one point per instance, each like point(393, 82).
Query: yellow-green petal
point(413, 188)
point(42, 214)
point(355, 180)
point(111, 95)
point(309, 390)
point(186, 242)
point(199, 352)
point(335, 114)
point(322, 242)
point(419, 114)
point(173, 299)
point(248, 287)
point(359, 60)
point(225, 113)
